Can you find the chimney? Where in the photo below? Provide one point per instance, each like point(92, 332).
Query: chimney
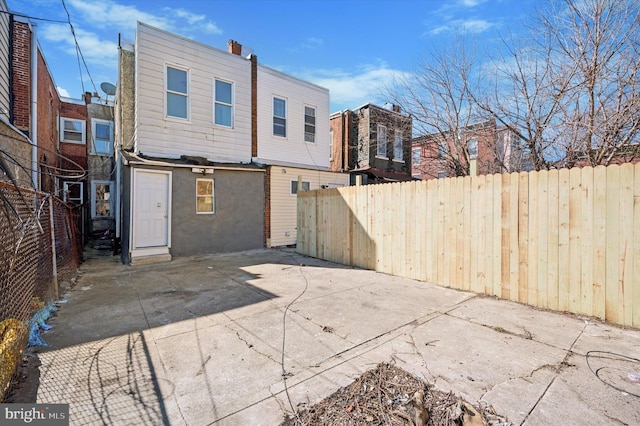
point(234, 47)
point(396, 108)
point(87, 98)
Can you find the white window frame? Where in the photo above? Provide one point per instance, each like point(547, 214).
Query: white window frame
point(416, 153)
point(310, 135)
point(94, 122)
point(82, 132)
point(66, 192)
point(212, 195)
point(472, 145)
point(273, 106)
point(381, 142)
point(330, 145)
point(397, 146)
point(308, 185)
point(112, 197)
point(173, 92)
point(216, 102)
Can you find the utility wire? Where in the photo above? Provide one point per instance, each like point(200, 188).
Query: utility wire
point(78, 51)
point(22, 15)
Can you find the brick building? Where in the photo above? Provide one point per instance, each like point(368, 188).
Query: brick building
point(373, 142)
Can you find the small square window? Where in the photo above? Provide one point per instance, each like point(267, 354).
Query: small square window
point(294, 186)
point(204, 196)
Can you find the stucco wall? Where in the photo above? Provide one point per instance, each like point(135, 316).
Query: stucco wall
point(238, 221)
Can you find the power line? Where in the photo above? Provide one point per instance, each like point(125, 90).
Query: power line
point(22, 15)
point(79, 52)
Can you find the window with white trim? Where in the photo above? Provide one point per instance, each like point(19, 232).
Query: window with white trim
point(381, 150)
point(223, 109)
point(294, 186)
point(309, 124)
point(331, 145)
point(101, 198)
point(397, 145)
point(415, 156)
point(472, 147)
point(102, 136)
point(72, 193)
point(280, 117)
point(72, 130)
point(204, 196)
point(177, 93)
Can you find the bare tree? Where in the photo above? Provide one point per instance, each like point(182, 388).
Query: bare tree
point(572, 94)
point(438, 98)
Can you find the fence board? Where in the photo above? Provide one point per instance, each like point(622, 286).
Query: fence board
point(599, 240)
point(466, 268)
point(542, 242)
point(636, 248)
point(612, 286)
point(575, 249)
point(563, 239)
point(532, 282)
point(626, 242)
point(586, 272)
point(523, 236)
point(553, 225)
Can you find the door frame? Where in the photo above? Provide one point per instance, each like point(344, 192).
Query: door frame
point(148, 251)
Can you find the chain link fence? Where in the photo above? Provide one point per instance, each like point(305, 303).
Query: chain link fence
point(39, 249)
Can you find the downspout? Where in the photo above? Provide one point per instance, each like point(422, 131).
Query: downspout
point(116, 149)
point(34, 106)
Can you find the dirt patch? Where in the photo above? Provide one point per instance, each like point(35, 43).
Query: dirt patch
point(388, 395)
point(23, 388)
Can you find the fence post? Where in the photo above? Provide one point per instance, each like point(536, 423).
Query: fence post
point(53, 250)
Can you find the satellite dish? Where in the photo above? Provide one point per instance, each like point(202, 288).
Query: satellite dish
point(108, 88)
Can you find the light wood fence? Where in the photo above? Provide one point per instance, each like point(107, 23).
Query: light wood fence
point(566, 240)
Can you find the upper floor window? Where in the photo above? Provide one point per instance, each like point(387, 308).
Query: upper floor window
point(442, 151)
point(280, 117)
point(177, 93)
point(397, 145)
point(472, 147)
point(72, 130)
point(309, 124)
point(381, 150)
point(223, 103)
point(415, 156)
point(102, 133)
point(331, 145)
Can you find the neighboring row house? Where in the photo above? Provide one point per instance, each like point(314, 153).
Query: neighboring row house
point(44, 136)
point(372, 142)
point(479, 148)
point(212, 148)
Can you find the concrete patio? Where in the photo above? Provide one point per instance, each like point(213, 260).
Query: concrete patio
point(241, 338)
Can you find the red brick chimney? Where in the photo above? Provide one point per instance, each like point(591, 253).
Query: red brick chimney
point(396, 108)
point(234, 47)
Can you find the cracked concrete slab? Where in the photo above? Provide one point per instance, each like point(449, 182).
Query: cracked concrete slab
point(199, 341)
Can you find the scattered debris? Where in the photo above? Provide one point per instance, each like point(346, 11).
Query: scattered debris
point(388, 395)
point(328, 329)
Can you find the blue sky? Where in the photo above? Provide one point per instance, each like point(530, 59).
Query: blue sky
point(353, 47)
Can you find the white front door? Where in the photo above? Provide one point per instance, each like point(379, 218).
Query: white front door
point(151, 208)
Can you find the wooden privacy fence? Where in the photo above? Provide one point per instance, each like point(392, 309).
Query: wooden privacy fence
point(566, 240)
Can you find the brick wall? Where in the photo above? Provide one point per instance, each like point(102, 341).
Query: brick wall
point(21, 62)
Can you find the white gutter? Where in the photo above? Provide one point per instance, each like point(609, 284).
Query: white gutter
point(34, 106)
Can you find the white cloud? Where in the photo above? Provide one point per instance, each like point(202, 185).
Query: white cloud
point(470, 3)
point(63, 92)
point(352, 89)
point(463, 26)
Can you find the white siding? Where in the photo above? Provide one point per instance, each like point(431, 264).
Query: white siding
point(160, 136)
point(283, 205)
point(4, 57)
point(298, 94)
